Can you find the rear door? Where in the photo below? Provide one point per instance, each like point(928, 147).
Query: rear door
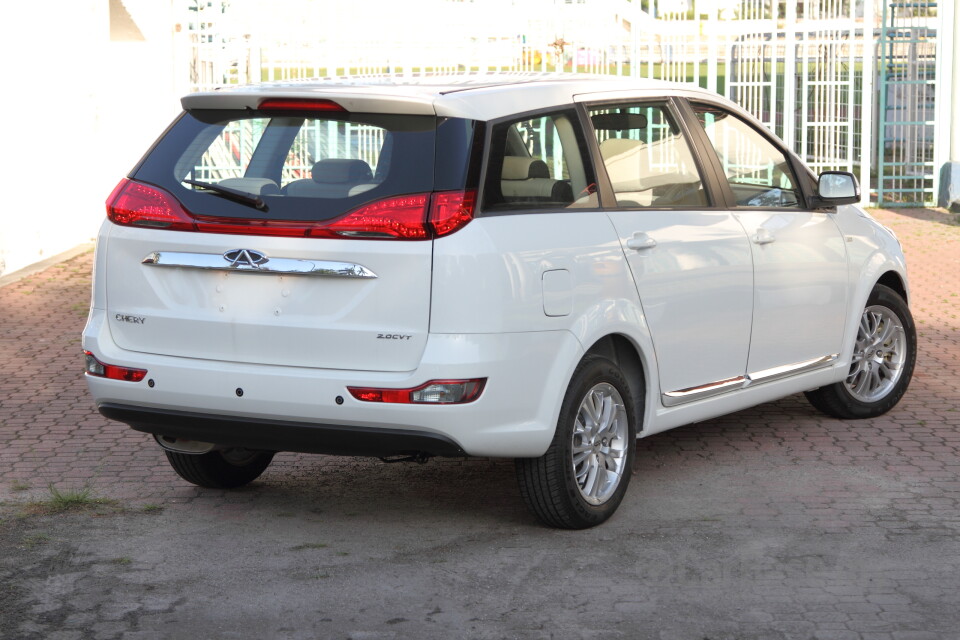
point(261, 278)
point(690, 260)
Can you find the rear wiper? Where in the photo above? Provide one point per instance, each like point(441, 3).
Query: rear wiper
point(231, 194)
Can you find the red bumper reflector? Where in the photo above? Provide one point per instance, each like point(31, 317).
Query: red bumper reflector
point(98, 369)
point(432, 392)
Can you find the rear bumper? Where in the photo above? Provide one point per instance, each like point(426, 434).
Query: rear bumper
point(310, 409)
point(278, 435)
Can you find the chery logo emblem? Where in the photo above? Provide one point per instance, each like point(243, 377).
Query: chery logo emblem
point(245, 258)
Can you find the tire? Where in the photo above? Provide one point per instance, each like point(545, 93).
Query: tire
point(582, 478)
point(882, 363)
point(220, 469)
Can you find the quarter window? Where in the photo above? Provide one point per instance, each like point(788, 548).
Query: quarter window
point(647, 158)
point(538, 163)
point(757, 171)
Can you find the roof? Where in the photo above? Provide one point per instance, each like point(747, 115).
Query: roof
point(475, 96)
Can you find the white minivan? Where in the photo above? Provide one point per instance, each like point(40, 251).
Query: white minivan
point(541, 268)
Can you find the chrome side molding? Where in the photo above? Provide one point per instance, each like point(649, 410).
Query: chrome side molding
point(776, 373)
point(674, 398)
point(259, 263)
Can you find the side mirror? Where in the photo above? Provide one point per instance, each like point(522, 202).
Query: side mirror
point(837, 187)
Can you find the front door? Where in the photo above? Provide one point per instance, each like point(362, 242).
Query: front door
point(799, 255)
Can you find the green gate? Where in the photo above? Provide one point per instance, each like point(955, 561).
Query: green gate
point(906, 173)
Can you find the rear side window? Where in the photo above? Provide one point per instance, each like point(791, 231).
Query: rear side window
point(538, 163)
point(304, 168)
point(647, 158)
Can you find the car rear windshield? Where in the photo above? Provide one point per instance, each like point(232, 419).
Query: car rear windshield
point(305, 167)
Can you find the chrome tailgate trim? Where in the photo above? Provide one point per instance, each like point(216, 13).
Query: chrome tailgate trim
point(254, 262)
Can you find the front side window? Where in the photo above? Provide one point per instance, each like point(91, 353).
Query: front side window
point(538, 163)
point(647, 158)
point(756, 170)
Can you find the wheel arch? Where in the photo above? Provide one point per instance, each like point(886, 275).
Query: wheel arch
point(620, 350)
point(893, 280)
point(878, 269)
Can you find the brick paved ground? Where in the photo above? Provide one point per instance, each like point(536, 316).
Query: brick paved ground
point(774, 522)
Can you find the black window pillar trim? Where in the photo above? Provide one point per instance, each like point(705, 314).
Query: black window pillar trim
point(718, 191)
point(708, 155)
point(607, 199)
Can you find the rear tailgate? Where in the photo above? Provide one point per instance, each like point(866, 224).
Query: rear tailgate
point(328, 321)
point(223, 248)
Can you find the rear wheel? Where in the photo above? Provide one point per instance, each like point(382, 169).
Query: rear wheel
point(882, 364)
point(581, 479)
point(220, 469)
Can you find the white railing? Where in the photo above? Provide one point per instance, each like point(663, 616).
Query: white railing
point(805, 68)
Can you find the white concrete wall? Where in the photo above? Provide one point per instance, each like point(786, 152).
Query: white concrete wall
point(77, 113)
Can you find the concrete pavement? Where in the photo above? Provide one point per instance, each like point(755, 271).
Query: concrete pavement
point(776, 522)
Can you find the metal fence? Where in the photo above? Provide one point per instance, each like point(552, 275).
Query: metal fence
point(807, 69)
point(906, 171)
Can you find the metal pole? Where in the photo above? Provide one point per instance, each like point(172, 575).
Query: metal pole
point(712, 27)
point(882, 115)
point(790, 78)
point(947, 154)
point(867, 115)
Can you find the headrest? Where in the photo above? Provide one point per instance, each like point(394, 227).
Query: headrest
point(339, 170)
point(615, 146)
point(523, 168)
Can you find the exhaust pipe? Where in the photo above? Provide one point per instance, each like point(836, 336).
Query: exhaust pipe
point(182, 445)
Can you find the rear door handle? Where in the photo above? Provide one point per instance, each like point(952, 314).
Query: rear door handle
point(640, 241)
point(763, 236)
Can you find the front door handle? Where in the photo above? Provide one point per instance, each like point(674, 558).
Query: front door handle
point(763, 236)
point(640, 241)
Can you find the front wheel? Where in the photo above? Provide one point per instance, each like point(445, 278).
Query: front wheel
point(882, 363)
point(220, 468)
point(582, 478)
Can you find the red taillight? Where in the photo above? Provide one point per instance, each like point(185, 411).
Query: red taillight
point(402, 217)
point(94, 367)
point(140, 205)
point(419, 216)
point(451, 210)
point(433, 392)
point(300, 104)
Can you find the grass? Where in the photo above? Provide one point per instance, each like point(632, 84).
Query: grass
point(34, 540)
point(19, 485)
point(63, 500)
point(309, 545)
point(69, 498)
point(152, 508)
